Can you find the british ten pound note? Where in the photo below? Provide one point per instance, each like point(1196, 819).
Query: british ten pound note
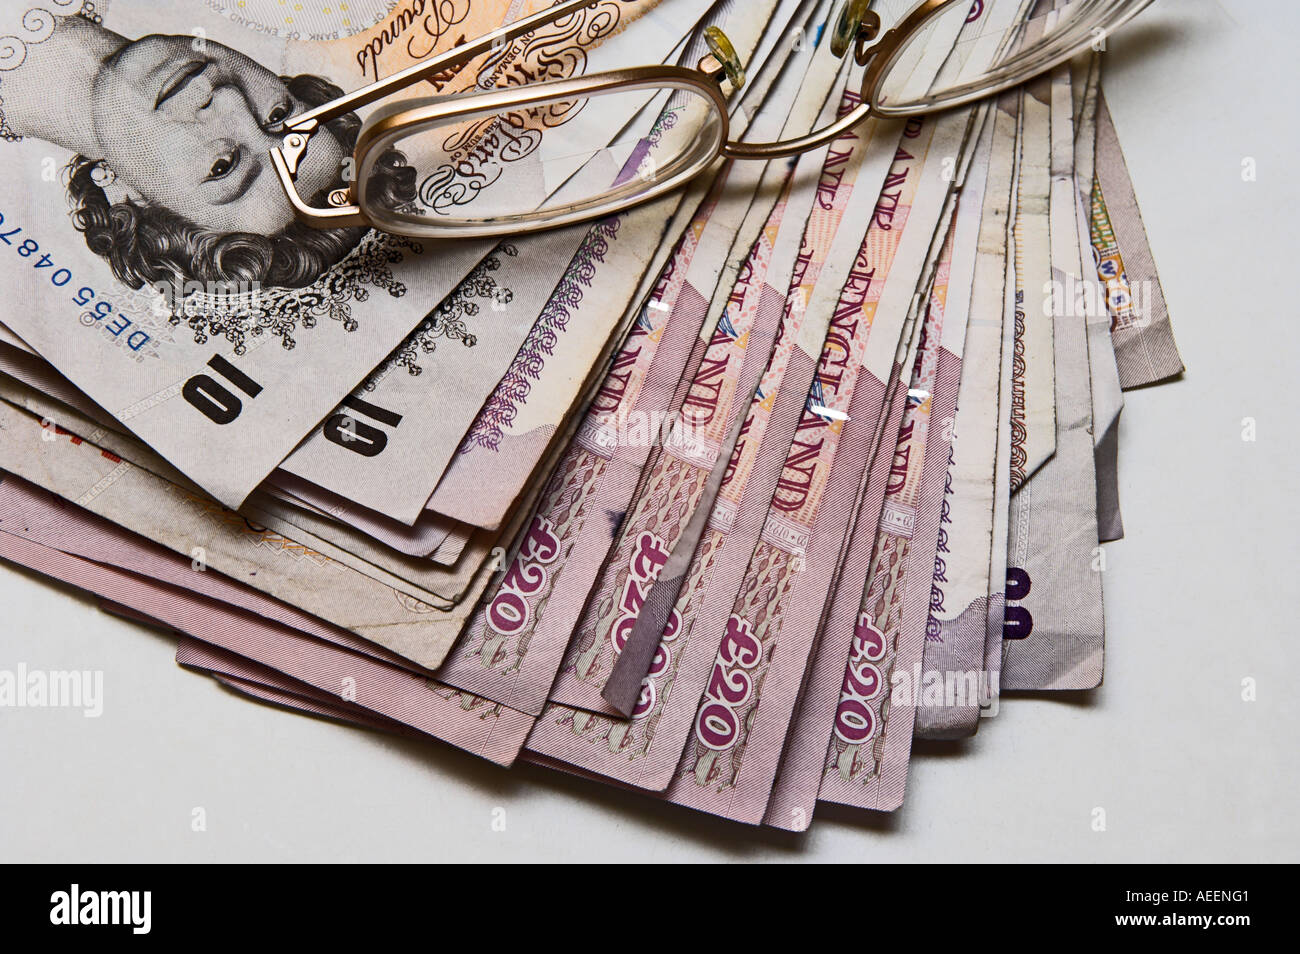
point(181, 294)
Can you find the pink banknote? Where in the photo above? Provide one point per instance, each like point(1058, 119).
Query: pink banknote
point(673, 486)
point(731, 758)
point(485, 728)
point(644, 751)
point(513, 643)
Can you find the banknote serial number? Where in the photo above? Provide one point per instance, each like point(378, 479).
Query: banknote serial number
point(97, 311)
point(216, 397)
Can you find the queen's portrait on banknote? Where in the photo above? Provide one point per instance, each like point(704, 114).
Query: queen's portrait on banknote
point(170, 180)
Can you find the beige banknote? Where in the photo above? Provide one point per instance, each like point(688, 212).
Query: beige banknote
point(313, 574)
point(419, 579)
point(224, 360)
point(1054, 623)
point(958, 619)
point(1090, 297)
point(1145, 350)
point(1107, 389)
point(1014, 308)
point(1033, 398)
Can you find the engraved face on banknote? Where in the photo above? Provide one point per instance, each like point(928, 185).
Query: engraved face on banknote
point(170, 180)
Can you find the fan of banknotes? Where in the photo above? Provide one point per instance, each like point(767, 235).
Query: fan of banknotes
point(725, 498)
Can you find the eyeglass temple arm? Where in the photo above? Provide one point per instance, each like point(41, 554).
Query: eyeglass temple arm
point(308, 121)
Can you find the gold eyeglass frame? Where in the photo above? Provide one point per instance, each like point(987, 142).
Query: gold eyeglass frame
point(856, 28)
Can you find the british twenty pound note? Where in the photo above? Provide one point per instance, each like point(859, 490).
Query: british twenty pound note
point(492, 628)
point(633, 425)
point(630, 754)
point(644, 751)
point(732, 756)
point(677, 483)
point(873, 691)
point(870, 725)
point(544, 585)
point(517, 637)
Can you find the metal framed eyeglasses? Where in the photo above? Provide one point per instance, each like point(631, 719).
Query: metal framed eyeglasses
point(895, 84)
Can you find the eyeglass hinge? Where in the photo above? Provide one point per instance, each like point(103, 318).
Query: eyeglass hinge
point(294, 145)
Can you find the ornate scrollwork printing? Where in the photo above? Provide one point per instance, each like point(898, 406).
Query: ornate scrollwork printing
point(933, 630)
point(476, 153)
point(449, 320)
point(512, 392)
point(35, 25)
point(280, 312)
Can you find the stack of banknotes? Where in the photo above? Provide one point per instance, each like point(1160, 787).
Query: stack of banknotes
point(724, 499)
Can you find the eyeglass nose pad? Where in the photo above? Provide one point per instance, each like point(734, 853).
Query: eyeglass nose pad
point(857, 25)
point(725, 54)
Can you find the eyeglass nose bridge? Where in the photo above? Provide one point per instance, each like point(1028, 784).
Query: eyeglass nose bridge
point(856, 27)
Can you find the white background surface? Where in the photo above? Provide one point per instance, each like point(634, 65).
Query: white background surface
point(1200, 595)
